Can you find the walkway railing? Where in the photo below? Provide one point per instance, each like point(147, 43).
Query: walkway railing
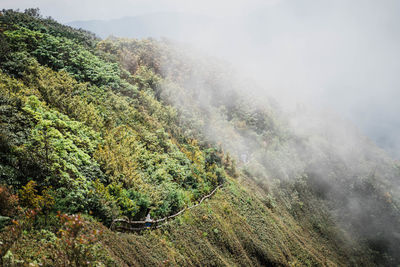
point(128, 225)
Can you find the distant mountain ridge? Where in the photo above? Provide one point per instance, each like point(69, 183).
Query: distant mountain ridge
point(172, 25)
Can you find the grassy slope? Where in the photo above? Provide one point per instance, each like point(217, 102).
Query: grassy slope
point(234, 228)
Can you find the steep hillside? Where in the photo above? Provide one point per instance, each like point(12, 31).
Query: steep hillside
point(117, 128)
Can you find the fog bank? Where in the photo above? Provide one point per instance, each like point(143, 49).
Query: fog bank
point(340, 55)
point(337, 55)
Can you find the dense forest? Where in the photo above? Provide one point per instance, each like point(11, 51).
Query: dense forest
point(95, 130)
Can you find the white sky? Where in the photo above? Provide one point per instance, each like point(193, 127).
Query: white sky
point(69, 10)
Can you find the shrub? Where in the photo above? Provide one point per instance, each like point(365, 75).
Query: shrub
point(78, 247)
point(8, 202)
point(30, 198)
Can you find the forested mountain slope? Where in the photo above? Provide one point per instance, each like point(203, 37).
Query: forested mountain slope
point(106, 129)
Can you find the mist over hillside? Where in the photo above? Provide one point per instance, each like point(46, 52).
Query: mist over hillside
point(339, 56)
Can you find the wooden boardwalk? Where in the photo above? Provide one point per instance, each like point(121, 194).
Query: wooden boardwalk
point(128, 225)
